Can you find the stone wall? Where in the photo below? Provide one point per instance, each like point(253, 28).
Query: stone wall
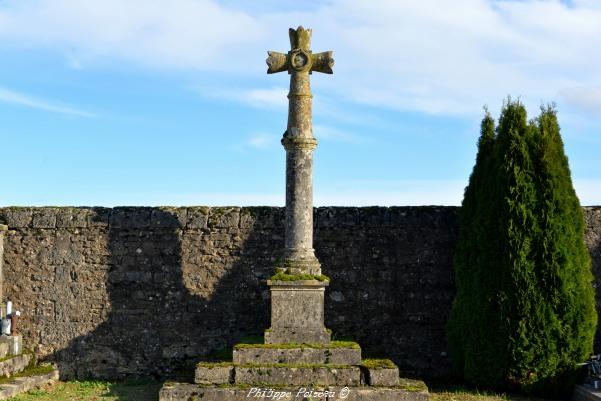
point(144, 291)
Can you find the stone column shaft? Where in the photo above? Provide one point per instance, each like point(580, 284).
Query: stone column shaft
point(299, 143)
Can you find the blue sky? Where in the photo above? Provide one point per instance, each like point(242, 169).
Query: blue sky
point(147, 102)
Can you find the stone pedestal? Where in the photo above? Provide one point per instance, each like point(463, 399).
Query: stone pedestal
point(297, 313)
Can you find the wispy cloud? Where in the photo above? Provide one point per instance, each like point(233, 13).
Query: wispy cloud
point(261, 141)
point(329, 133)
point(584, 98)
point(12, 97)
point(264, 98)
point(430, 56)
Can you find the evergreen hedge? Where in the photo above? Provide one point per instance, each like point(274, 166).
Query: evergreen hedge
point(524, 314)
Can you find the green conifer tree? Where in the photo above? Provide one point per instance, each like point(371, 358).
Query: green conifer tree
point(524, 312)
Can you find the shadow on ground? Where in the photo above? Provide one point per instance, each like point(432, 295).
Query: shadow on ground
point(135, 391)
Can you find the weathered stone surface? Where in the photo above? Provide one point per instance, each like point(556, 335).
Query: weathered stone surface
point(109, 302)
point(298, 375)
point(3, 350)
point(191, 392)
point(297, 312)
point(14, 344)
point(262, 355)
point(16, 364)
point(18, 217)
point(20, 385)
point(44, 218)
point(214, 374)
point(387, 377)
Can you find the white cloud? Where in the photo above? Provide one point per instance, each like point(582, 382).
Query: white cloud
point(263, 98)
point(434, 56)
point(12, 97)
point(180, 33)
point(261, 141)
point(328, 133)
point(584, 98)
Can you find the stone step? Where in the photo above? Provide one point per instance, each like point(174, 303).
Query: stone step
point(15, 364)
point(277, 374)
point(214, 373)
point(416, 391)
point(296, 375)
point(261, 354)
point(26, 383)
point(380, 372)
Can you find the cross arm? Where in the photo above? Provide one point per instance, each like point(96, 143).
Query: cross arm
point(323, 62)
point(276, 62)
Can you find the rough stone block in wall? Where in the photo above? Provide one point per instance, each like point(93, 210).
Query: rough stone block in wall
point(130, 291)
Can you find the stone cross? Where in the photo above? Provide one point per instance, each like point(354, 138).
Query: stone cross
point(297, 304)
point(299, 142)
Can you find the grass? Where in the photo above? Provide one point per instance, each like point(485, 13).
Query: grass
point(94, 391)
point(149, 390)
point(461, 393)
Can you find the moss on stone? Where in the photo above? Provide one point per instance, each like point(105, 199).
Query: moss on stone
point(378, 364)
point(295, 365)
point(211, 365)
point(412, 385)
point(30, 371)
point(333, 344)
point(280, 275)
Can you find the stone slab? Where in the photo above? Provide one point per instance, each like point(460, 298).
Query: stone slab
point(333, 375)
point(193, 392)
point(387, 377)
point(3, 350)
point(586, 392)
point(15, 343)
point(206, 374)
point(262, 355)
point(14, 365)
point(22, 384)
point(297, 335)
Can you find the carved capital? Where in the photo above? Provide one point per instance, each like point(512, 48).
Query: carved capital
point(298, 142)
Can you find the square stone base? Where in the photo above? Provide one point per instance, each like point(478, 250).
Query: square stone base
point(261, 354)
point(297, 313)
